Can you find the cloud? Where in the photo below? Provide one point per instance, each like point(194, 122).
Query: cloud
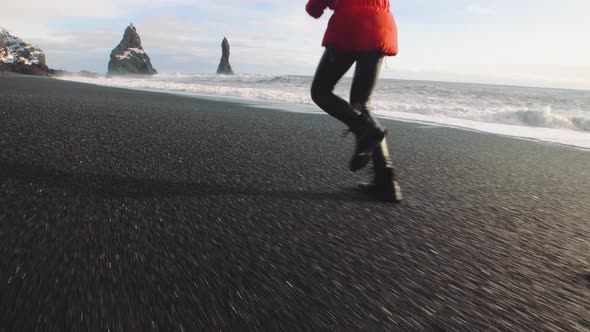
point(479, 9)
point(51, 10)
point(292, 47)
point(190, 42)
point(456, 39)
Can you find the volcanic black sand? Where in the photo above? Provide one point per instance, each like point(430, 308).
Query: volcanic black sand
point(135, 211)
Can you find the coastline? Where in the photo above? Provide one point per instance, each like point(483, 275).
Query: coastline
point(136, 209)
point(566, 137)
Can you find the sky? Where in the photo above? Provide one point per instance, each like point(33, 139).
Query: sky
point(514, 42)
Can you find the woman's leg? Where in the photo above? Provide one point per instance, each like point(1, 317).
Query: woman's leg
point(364, 81)
point(366, 73)
point(333, 65)
point(385, 184)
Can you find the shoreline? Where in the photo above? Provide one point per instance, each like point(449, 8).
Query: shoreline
point(528, 133)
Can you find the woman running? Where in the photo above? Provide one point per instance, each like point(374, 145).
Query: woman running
point(361, 32)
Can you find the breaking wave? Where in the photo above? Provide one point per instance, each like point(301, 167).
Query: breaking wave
point(544, 118)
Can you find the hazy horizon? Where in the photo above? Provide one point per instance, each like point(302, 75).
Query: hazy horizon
point(504, 43)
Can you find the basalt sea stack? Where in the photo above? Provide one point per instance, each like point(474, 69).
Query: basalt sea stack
point(224, 66)
point(18, 56)
point(129, 56)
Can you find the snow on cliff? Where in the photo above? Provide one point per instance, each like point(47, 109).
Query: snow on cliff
point(15, 50)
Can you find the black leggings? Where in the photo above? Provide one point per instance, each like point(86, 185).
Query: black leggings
point(332, 67)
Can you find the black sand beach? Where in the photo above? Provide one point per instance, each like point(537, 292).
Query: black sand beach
point(134, 211)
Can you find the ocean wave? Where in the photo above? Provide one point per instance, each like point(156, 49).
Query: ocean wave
point(213, 78)
point(543, 118)
point(502, 114)
point(478, 107)
point(581, 123)
point(211, 85)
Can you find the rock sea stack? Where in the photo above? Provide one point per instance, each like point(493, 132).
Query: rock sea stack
point(129, 57)
point(224, 66)
point(17, 56)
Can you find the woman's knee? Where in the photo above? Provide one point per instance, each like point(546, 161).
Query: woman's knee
point(318, 94)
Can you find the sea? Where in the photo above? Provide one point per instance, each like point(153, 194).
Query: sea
point(558, 116)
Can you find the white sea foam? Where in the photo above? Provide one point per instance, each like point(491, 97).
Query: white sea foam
point(559, 116)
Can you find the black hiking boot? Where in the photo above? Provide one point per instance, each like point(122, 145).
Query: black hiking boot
point(384, 186)
point(369, 134)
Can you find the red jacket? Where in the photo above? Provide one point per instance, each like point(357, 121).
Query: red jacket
point(357, 25)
